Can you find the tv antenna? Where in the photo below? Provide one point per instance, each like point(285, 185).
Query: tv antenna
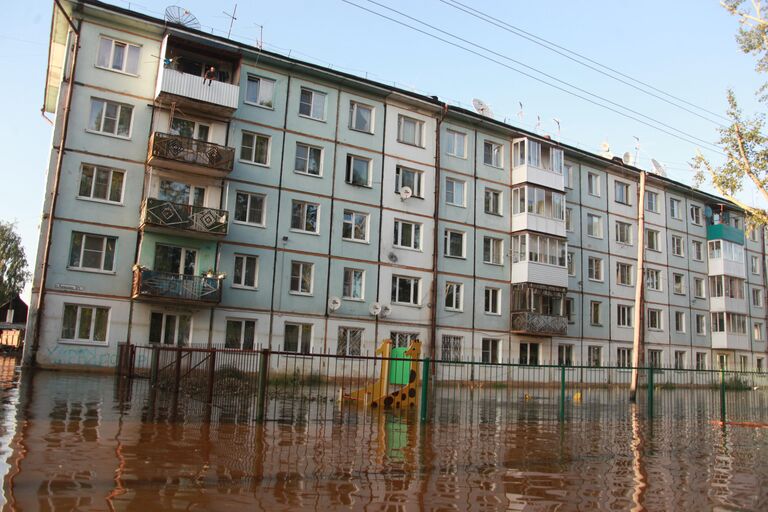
point(482, 108)
point(261, 36)
point(181, 16)
point(637, 149)
point(232, 17)
point(557, 122)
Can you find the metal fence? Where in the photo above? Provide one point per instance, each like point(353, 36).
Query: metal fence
point(241, 385)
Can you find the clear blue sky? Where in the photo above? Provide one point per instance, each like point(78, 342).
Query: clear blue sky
point(685, 47)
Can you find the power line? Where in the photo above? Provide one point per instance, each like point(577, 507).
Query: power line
point(563, 51)
point(683, 135)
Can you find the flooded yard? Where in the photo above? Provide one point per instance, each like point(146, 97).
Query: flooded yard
point(92, 442)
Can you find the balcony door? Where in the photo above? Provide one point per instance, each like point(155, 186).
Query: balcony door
point(190, 129)
point(181, 193)
point(175, 260)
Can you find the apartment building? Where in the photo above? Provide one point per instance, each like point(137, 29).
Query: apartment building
point(204, 192)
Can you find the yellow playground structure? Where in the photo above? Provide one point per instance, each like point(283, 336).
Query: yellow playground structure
point(399, 367)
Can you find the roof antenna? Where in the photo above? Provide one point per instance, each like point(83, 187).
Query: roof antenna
point(261, 36)
point(232, 17)
point(520, 114)
point(557, 122)
point(637, 150)
point(538, 123)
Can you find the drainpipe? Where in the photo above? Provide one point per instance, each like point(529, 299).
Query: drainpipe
point(57, 176)
point(436, 237)
point(637, 343)
point(381, 222)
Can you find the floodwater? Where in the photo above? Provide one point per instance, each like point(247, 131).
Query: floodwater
point(82, 442)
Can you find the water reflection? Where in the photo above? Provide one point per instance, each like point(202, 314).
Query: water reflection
point(91, 443)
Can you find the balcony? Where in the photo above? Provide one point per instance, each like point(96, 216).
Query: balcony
point(193, 91)
point(730, 341)
point(540, 273)
point(196, 221)
point(725, 232)
point(165, 287)
point(528, 322)
point(190, 155)
point(538, 223)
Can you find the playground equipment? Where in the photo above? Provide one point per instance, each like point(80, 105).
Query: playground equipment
point(396, 370)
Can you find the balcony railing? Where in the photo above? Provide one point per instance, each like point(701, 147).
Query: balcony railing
point(151, 284)
point(199, 219)
point(192, 151)
point(185, 85)
point(725, 232)
point(535, 323)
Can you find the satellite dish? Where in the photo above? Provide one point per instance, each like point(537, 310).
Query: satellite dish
point(405, 193)
point(334, 303)
point(605, 151)
point(181, 16)
point(482, 107)
point(658, 168)
point(627, 158)
point(708, 212)
point(375, 309)
point(392, 257)
point(385, 311)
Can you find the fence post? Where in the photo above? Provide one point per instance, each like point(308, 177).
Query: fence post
point(722, 395)
point(424, 390)
point(562, 393)
point(650, 391)
point(211, 373)
point(262, 389)
point(155, 366)
point(177, 378)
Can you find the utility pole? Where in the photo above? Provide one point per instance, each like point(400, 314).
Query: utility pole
point(637, 345)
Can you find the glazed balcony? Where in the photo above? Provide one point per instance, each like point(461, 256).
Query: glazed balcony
point(529, 322)
point(165, 287)
point(195, 92)
point(725, 232)
point(190, 155)
point(196, 221)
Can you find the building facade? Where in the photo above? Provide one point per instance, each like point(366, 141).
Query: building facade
point(203, 192)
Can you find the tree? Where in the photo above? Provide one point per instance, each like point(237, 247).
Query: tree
point(743, 142)
point(13, 262)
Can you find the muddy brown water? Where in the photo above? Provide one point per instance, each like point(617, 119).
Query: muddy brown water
point(78, 442)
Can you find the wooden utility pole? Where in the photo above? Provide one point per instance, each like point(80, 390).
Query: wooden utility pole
point(637, 345)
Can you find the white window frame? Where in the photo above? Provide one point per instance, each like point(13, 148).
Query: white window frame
point(252, 157)
point(757, 293)
point(652, 201)
point(680, 322)
point(595, 268)
point(416, 233)
point(678, 246)
point(454, 291)
point(492, 300)
point(681, 290)
point(302, 267)
point(350, 276)
point(496, 199)
point(490, 346)
point(352, 222)
point(623, 233)
point(497, 153)
point(252, 196)
point(418, 130)
point(652, 238)
point(103, 251)
point(495, 253)
point(595, 313)
point(95, 170)
point(415, 287)
point(695, 214)
point(128, 48)
point(94, 311)
point(624, 315)
point(456, 144)
point(242, 260)
point(450, 185)
point(353, 107)
point(624, 273)
point(261, 101)
point(675, 211)
point(349, 172)
point(308, 151)
point(418, 180)
point(305, 206)
point(448, 236)
point(699, 288)
point(594, 229)
point(100, 129)
point(243, 323)
point(701, 324)
point(593, 184)
point(754, 264)
point(348, 337)
point(697, 250)
point(657, 324)
point(313, 107)
point(656, 273)
point(303, 331)
point(450, 347)
point(624, 187)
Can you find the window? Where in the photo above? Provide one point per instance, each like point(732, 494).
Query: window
point(102, 183)
point(539, 201)
point(679, 359)
point(654, 319)
point(755, 265)
point(564, 355)
point(456, 143)
point(556, 160)
point(493, 301)
point(353, 286)
point(538, 248)
point(260, 91)
point(759, 366)
point(360, 117)
point(653, 279)
point(84, 323)
point(355, 226)
point(246, 274)
point(652, 201)
point(312, 104)
point(695, 212)
point(701, 324)
point(757, 297)
point(491, 351)
point(753, 235)
point(724, 249)
point(451, 347)
point(410, 131)
point(453, 296)
point(118, 56)
point(493, 154)
point(624, 273)
point(405, 177)
point(309, 159)
point(675, 209)
point(593, 184)
point(301, 277)
point(652, 240)
point(698, 250)
point(624, 357)
point(569, 219)
point(170, 329)
point(677, 245)
point(722, 361)
point(402, 339)
point(621, 192)
point(623, 232)
point(493, 250)
point(492, 201)
point(654, 358)
point(743, 363)
point(298, 338)
point(571, 264)
point(110, 118)
point(249, 208)
point(679, 321)
point(406, 290)
point(453, 244)
point(349, 342)
point(624, 315)
point(594, 312)
point(304, 216)
point(240, 334)
point(678, 282)
point(190, 129)
point(569, 311)
point(757, 331)
point(594, 356)
point(715, 249)
point(698, 288)
point(454, 192)
point(254, 148)
point(358, 171)
point(726, 286)
point(92, 252)
point(595, 268)
point(180, 193)
point(407, 235)
point(701, 360)
point(594, 225)
point(529, 354)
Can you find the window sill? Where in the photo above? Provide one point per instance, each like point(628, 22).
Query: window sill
point(301, 294)
point(249, 224)
point(412, 144)
point(308, 174)
point(459, 157)
point(255, 164)
point(106, 134)
point(318, 119)
point(456, 205)
point(301, 231)
point(361, 131)
point(404, 248)
point(118, 71)
point(494, 264)
point(407, 305)
point(353, 299)
point(84, 343)
point(451, 310)
point(595, 236)
point(101, 201)
point(595, 280)
point(354, 241)
point(362, 185)
point(495, 214)
point(257, 105)
point(92, 271)
point(491, 314)
point(245, 288)
point(454, 257)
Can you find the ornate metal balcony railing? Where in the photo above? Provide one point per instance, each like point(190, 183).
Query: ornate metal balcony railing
point(535, 323)
point(159, 212)
point(192, 151)
point(176, 287)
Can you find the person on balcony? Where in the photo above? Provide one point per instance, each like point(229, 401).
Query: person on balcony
point(210, 75)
